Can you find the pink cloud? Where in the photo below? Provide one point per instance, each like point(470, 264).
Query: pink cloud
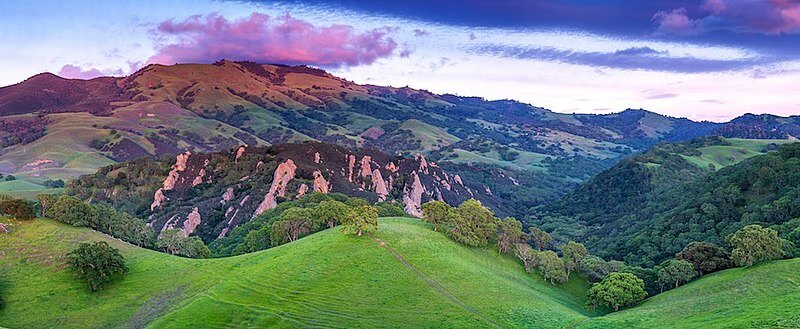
point(259, 38)
point(770, 17)
point(676, 22)
point(75, 72)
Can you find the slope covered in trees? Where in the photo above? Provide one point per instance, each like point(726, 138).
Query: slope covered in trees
point(650, 206)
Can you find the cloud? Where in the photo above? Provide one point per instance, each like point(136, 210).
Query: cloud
point(421, 33)
point(770, 17)
point(676, 22)
point(260, 38)
point(636, 58)
point(661, 96)
point(75, 72)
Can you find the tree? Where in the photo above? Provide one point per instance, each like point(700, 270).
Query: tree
point(648, 275)
point(788, 249)
point(293, 224)
point(170, 241)
point(540, 238)
point(509, 233)
point(19, 209)
point(71, 210)
point(387, 209)
point(617, 290)
point(360, 219)
point(524, 252)
point(675, 272)
point(259, 239)
point(705, 257)
point(96, 263)
point(596, 269)
point(46, 201)
point(573, 253)
point(436, 213)
point(193, 247)
point(753, 244)
point(551, 267)
point(331, 212)
point(471, 224)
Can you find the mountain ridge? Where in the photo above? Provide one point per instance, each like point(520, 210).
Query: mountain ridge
point(213, 107)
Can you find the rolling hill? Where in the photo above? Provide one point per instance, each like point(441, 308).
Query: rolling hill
point(405, 275)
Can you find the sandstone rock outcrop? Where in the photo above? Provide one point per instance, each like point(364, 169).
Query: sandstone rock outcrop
point(191, 222)
point(283, 174)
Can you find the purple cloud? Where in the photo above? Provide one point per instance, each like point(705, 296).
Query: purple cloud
point(75, 72)
point(770, 17)
point(259, 38)
point(637, 58)
point(421, 33)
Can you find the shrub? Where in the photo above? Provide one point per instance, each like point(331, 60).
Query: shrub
point(19, 209)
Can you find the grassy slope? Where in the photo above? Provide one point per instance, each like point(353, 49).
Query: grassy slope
point(326, 279)
point(763, 296)
point(738, 151)
point(21, 188)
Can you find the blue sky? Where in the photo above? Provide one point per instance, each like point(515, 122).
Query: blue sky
point(702, 59)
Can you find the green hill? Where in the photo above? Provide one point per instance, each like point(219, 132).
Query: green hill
point(407, 275)
point(762, 296)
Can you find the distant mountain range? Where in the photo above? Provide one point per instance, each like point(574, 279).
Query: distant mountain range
point(52, 127)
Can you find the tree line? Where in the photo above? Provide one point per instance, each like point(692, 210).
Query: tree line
point(615, 284)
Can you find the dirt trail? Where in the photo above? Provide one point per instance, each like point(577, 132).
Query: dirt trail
point(436, 285)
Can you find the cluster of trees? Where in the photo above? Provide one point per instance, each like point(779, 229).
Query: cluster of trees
point(615, 283)
point(174, 242)
point(17, 208)
point(292, 220)
point(475, 225)
point(71, 210)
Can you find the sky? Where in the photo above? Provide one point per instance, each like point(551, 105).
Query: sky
point(702, 59)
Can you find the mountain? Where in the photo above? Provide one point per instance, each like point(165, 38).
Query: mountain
point(52, 127)
point(649, 206)
point(407, 276)
point(82, 125)
point(210, 194)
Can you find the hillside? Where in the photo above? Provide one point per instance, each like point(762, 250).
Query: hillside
point(762, 296)
point(646, 208)
point(407, 275)
point(210, 194)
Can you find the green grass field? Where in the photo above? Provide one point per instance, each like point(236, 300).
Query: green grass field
point(738, 150)
point(762, 296)
point(405, 275)
point(25, 189)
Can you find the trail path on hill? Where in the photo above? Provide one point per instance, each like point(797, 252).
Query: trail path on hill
point(436, 285)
